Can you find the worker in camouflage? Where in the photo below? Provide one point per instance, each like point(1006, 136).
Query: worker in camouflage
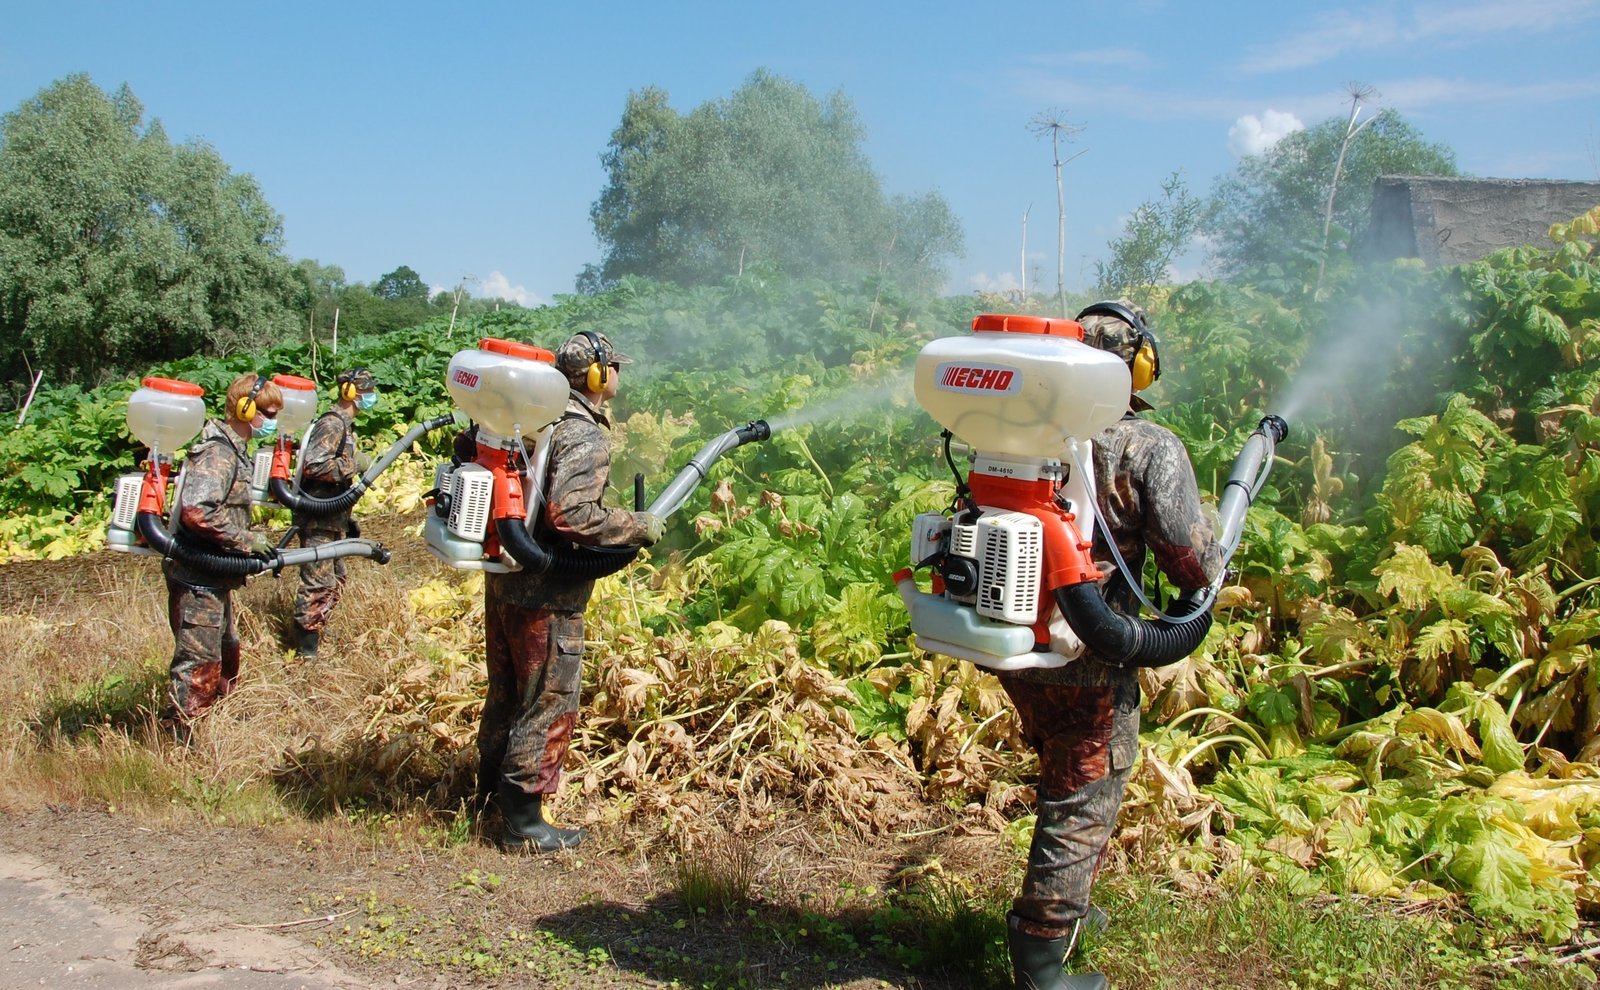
point(329, 463)
point(1083, 718)
point(212, 512)
point(533, 624)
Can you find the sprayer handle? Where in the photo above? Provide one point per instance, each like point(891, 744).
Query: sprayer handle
point(638, 492)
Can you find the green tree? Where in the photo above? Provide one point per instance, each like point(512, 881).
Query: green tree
point(118, 249)
point(323, 283)
point(1269, 212)
point(769, 177)
point(1142, 257)
point(402, 283)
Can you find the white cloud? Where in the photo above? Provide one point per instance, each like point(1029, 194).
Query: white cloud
point(495, 285)
point(1378, 28)
point(1053, 89)
point(1332, 36)
point(1251, 135)
point(1426, 91)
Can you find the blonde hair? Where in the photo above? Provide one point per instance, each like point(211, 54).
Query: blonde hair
point(269, 395)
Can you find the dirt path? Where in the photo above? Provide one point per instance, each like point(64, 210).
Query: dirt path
point(92, 898)
point(169, 895)
point(60, 935)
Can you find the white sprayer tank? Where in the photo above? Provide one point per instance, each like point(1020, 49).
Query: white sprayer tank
point(1021, 385)
point(165, 413)
point(299, 403)
point(507, 387)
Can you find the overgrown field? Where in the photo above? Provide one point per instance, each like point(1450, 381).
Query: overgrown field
point(1398, 705)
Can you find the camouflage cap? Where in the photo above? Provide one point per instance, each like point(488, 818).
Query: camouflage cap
point(574, 357)
point(361, 378)
point(1113, 333)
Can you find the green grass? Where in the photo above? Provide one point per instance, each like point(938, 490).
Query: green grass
point(715, 874)
point(1261, 935)
point(1255, 937)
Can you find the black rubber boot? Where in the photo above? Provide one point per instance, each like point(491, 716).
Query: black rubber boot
point(526, 831)
point(305, 642)
point(1036, 962)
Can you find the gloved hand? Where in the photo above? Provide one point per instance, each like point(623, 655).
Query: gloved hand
point(352, 530)
point(362, 462)
point(262, 548)
point(655, 527)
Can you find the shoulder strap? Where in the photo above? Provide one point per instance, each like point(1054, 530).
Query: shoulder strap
point(344, 426)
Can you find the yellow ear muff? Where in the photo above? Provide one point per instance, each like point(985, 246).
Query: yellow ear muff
point(348, 391)
point(245, 409)
point(599, 373)
point(1144, 367)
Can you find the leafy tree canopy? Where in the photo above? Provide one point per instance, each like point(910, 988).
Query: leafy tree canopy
point(118, 249)
point(1141, 259)
point(769, 177)
point(1269, 210)
point(402, 283)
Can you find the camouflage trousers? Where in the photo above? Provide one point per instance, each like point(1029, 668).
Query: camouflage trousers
point(205, 659)
point(321, 582)
point(1087, 736)
point(535, 661)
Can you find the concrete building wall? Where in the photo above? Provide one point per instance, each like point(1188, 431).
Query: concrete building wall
point(1451, 221)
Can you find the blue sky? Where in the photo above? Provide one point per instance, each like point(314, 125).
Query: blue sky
point(465, 139)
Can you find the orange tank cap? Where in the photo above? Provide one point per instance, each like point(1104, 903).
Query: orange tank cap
point(172, 385)
point(294, 381)
point(512, 348)
point(1016, 323)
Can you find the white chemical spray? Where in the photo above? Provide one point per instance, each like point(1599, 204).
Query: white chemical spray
point(857, 402)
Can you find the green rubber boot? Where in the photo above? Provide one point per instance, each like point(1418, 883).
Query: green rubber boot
point(1036, 962)
point(526, 831)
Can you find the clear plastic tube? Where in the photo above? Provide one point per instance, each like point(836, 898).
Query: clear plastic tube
point(1262, 444)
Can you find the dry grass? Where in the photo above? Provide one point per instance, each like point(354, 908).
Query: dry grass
point(679, 729)
point(721, 776)
point(89, 649)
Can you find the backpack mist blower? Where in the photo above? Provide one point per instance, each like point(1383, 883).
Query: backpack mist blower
point(276, 481)
point(1014, 584)
point(485, 512)
point(164, 414)
point(299, 409)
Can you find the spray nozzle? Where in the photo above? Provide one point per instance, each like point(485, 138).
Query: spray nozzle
point(1274, 426)
point(756, 429)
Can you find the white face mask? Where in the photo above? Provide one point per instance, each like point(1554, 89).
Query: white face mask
point(267, 429)
point(366, 400)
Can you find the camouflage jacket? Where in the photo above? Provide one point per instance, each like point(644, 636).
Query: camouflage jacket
point(1145, 491)
point(212, 508)
point(579, 473)
point(328, 457)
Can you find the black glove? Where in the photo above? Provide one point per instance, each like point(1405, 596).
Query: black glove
point(352, 530)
